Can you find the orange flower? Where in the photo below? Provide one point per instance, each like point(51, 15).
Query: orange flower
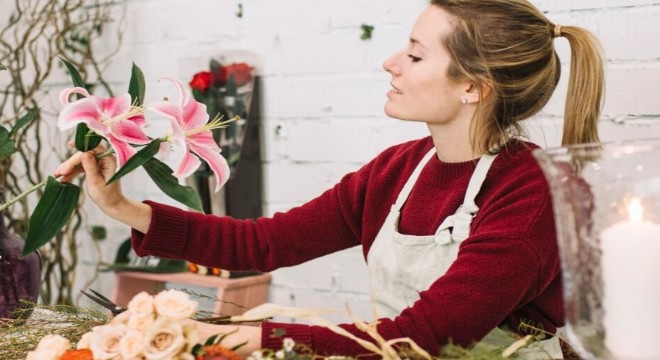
point(217, 352)
point(81, 354)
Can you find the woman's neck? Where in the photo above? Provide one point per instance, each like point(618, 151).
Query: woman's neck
point(453, 144)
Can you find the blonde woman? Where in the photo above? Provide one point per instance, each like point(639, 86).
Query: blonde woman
point(456, 228)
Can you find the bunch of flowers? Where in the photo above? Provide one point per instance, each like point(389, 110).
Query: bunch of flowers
point(225, 90)
point(153, 328)
point(121, 121)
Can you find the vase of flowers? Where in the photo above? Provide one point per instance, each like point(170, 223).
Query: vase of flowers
point(19, 276)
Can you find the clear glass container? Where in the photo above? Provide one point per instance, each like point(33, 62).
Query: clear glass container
point(606, 200)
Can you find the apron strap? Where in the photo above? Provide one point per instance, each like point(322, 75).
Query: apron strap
point(407, 188)
point(462, 218)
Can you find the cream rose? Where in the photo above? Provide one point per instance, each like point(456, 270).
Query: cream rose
point(142, 305)
point(85, 341)
point(105, 341)
point(140, 323)
point(121, 318)
point(164, 340)
point(174, 305)
point(131, 344)
point(50, 347)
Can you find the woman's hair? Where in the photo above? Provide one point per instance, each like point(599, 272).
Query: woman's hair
point(508, 46)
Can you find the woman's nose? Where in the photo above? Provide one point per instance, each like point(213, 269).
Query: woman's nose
point(390, 64)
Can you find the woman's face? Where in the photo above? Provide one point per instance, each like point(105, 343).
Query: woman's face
point(421, 90)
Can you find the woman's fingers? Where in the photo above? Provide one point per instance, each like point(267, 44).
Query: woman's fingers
point(71, 167)
point(68, 169)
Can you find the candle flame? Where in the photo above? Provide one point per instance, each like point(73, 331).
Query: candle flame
point(635, 210)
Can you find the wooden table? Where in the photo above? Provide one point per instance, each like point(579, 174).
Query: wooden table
point(236, 295)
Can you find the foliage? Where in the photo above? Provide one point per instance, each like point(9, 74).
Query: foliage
point(36, 34)
point(17, 337)
point(367, 31)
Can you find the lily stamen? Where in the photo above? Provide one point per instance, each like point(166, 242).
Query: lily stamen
point(133, 111)
point(216, 123)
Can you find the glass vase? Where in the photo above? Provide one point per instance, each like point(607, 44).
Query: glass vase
point(19, 277)
point(606, 200)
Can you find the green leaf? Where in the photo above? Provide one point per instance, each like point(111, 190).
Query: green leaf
point(99, 232)
point(7, 146)
point(75, 76)
point(51, 213)
point(211, 340)
point(2, 67)
point(161, 174)
point(86, 139)
point(24, 120)
point(137, 160)
point(136, 86)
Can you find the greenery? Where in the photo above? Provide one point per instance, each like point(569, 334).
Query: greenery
point(367, 31)
point(32, 41)
point(17, 337)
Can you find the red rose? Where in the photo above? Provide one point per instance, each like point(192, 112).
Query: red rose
point(242, 73)
point(202, 81)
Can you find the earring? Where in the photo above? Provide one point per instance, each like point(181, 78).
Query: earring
point(464, 100)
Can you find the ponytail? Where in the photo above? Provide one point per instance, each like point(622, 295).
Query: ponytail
point(586, 87)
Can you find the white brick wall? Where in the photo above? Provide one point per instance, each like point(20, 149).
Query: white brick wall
point(324, 90)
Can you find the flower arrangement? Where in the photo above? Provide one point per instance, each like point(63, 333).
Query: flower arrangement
point(159, 327)
point(153, 328)
point(121, 121)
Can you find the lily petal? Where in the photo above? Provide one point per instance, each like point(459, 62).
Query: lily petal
point(129, 132)
point(194, 115)
point(188, 165)
point(81, 111)
point(123, 150)
point(167, 109)
point(112, 107)
point(66, 94)
point(216, 162)
point(184, 94)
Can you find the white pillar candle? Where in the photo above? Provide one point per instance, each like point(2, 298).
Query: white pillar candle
point(631, 281)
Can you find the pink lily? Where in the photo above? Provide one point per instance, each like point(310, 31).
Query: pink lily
point(191, 129)
point(115, 119)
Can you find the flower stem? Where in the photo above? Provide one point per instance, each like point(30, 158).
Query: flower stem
point(35, 187)
point(22, 195)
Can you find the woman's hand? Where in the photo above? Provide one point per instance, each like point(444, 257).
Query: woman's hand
point(239, 335)
point(110, 198)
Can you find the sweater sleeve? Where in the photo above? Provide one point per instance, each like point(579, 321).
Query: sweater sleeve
point(319, 227)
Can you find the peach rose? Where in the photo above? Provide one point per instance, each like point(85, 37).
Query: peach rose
point(174, 305)
point(164, 340)
point(105, 341)
point(142, 305)
point(50, 347)
point(132, 344)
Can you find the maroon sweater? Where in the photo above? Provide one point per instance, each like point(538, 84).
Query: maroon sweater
point(506, 271)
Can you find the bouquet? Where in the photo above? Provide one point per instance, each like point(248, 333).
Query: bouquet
point(153, 328)
point(226, 91)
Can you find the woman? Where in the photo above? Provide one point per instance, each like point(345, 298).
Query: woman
point(457, 228)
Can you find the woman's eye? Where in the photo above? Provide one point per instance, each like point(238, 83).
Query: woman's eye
point(414, 58)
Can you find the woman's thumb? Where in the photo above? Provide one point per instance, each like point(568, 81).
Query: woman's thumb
point(91, 168)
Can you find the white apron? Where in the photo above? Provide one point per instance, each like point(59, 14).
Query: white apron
point(400, 266)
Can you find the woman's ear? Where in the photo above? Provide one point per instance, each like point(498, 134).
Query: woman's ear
point(472, 92)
